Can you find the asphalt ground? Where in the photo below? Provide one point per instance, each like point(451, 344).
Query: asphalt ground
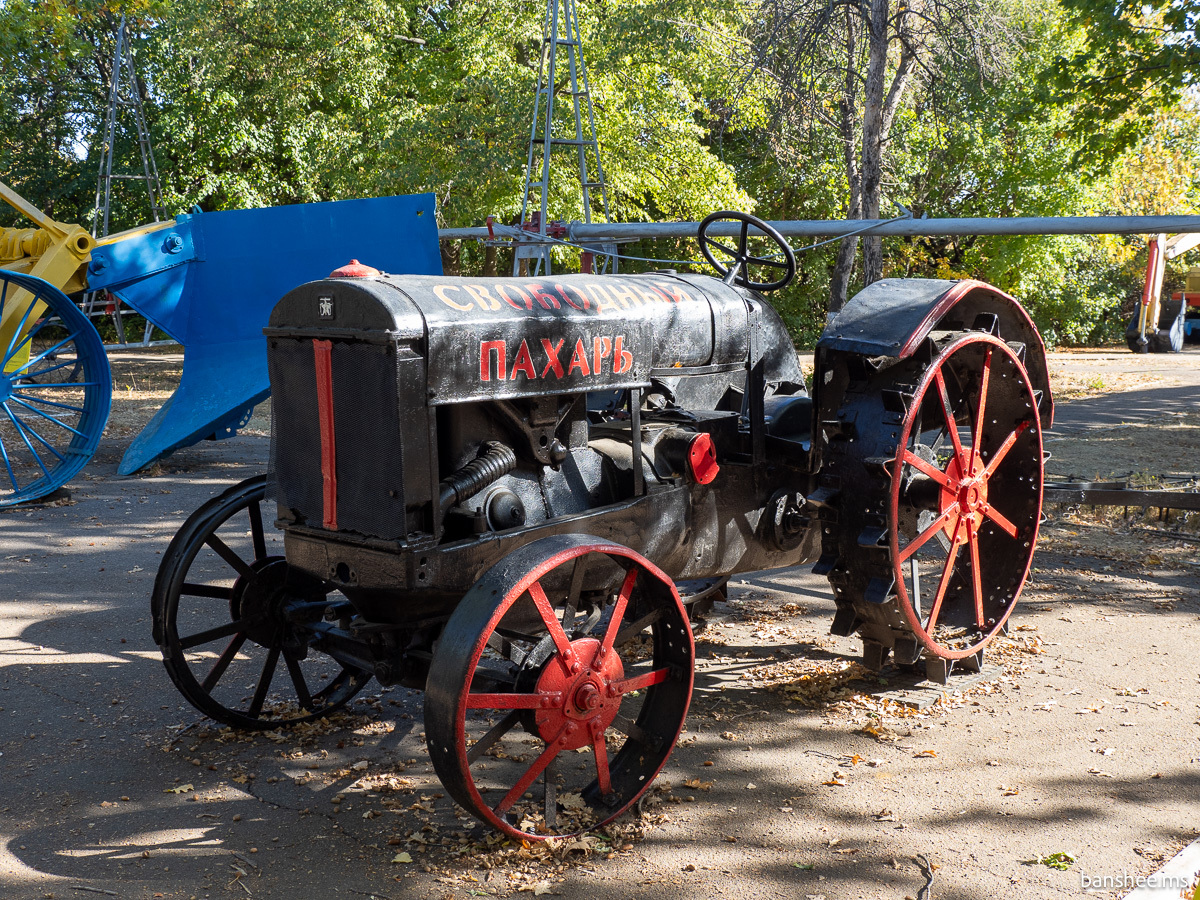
point(797, 776)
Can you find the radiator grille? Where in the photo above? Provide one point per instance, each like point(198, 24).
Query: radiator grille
point(368, 442)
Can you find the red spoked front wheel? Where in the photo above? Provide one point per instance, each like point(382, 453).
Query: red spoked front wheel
point(966, 495)
point(559, 687)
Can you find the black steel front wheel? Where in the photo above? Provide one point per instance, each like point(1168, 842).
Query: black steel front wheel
point(231, 620)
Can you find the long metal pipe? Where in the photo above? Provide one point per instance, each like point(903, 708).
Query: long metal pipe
point(578, 232)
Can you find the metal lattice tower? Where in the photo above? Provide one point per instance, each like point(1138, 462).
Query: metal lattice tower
point(124, 94)
point(575, 132)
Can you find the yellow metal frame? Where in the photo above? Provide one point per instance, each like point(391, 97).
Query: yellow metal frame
point(54, 251)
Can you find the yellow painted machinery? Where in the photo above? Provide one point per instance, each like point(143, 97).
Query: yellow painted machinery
point(1161, 324)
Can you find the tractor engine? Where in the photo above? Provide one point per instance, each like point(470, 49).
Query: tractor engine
point(424, 427)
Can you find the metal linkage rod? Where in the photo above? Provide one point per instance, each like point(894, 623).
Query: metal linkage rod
point(1118, 494)
point(633, 231)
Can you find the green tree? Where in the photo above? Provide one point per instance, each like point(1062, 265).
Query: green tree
point(1139, 58)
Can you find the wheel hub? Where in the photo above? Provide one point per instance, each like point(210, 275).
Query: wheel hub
point(967, 495)
point(580, 703)
point(6, 387)
point(258, 600)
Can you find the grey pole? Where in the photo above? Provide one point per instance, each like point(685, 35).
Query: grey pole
point(1034, 225)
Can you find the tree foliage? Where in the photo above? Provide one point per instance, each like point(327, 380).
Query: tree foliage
point(1139, 59)
point(817, 109)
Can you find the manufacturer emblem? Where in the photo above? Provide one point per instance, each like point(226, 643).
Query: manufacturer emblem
point(326, 307)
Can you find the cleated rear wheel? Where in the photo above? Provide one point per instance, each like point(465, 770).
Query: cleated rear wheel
point(966, 496)
point(942, 457)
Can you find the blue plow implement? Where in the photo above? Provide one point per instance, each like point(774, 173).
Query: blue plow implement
point(211, 280)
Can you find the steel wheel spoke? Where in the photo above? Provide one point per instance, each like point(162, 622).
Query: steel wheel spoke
point(14, 347)
point(634, 731)
point(981, 407)
point(926, 468)
point(54, 385)
point(302, 695)
point(497, 731)
point(629, 632)
point(7, 464)
point(54, 368)
point(943, 584)
point(21, 423)
point(571, 607)
point(999, 518)
point(1002, 451)
point(78, 409)
point(618, 613)
point(223, 662)
point(948, 412)
point(531, 774)
point(212, 634)
point(235, 562)
point(600, 749)
point(205, 590)
point(509, 701)
point(264, 682)
point(34, 360)
point(28, 446)
point(923, 538)
point(561, 642)
point(256, 531)
point(46, 415)
point(976, 573)
point(638, 682)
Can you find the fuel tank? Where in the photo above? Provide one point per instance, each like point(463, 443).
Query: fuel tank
point(503, 338)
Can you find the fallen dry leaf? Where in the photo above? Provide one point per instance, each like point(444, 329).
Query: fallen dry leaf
point(182, 789)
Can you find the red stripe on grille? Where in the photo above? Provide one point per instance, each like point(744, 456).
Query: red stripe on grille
point(323, 355)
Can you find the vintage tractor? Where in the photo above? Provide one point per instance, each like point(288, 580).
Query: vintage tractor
point(512, 494)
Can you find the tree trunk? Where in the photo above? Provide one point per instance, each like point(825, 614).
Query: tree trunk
point(451, 257)
point(873, 135)
point(843, 268)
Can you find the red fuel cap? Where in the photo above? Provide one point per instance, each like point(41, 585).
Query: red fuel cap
point(354, 269)
point(702, 458)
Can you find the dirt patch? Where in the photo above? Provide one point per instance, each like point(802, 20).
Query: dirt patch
point(144, 380)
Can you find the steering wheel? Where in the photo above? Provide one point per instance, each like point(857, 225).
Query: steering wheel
point(736, 271)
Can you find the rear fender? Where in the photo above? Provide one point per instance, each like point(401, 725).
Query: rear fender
point(892, 317)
